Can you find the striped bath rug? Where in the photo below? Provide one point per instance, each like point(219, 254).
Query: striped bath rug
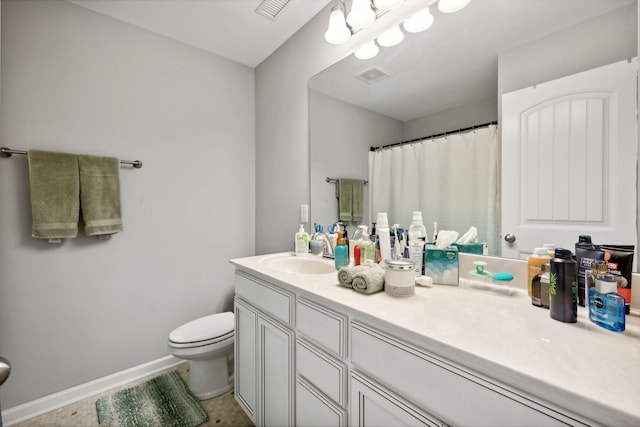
point(162, 401)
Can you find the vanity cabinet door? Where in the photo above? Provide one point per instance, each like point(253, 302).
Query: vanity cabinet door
point(373, 405)
point(276, 373)
point(313, 408)
point(245, 351)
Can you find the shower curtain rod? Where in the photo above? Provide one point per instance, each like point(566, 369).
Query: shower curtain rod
point(396, 144)
point(8, 152)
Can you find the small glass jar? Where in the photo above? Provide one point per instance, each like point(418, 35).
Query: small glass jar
point(399, 277)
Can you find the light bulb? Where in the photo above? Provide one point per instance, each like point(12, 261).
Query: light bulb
point(418, 22)
point(361, 14)
point(387, 4)
point(337, 33)
point(391, 37)
point(450, 6)
point(367, 51)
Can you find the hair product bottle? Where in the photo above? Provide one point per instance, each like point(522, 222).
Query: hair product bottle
point(563, 287)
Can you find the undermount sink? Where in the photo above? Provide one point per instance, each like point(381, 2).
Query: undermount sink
point(298, 265)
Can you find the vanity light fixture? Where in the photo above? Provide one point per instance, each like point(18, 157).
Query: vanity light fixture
point(338, 32)
point(391, 37)
point(387, 4)
point(450, 6)
point(361, 14)
point(367, 50)
point(418, 22)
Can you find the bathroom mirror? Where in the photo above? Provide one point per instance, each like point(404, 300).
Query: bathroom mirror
point(447, 78)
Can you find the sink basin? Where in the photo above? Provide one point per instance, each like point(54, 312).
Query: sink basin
point(299, 265)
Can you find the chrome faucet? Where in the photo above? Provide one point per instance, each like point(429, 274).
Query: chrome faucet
point(327, 247)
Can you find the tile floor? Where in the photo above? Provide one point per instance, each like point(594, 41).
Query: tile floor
point(223, 410)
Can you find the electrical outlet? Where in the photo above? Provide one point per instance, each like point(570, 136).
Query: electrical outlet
point(304, 213)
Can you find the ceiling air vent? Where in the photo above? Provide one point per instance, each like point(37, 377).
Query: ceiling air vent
point(372, 75)
point(271, 8)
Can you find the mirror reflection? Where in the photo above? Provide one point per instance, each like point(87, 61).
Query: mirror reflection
point(452, 77)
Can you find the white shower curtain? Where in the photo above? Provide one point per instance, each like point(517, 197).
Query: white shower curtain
point(453, 180)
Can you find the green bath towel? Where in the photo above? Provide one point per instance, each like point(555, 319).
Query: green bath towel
point(54, 186)
point(369, 281)
point(100, 194)
point(350, 194)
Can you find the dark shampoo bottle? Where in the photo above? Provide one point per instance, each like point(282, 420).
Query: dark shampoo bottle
point(563, 287)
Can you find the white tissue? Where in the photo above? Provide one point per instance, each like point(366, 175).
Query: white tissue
point(425, 281)
point(469, 236)
point(446, 238)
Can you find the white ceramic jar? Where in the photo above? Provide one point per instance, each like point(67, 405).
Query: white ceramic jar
point(399, 277)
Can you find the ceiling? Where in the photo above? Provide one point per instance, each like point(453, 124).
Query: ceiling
point(228, 28)
point(455, 62)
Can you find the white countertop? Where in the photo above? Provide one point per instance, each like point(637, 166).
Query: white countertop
point(579, 366)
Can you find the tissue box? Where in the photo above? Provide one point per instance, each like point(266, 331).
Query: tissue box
point(471, 248)
point(441, 264)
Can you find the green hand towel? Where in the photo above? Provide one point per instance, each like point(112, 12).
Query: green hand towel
point(100, 195)
point(54, 186)
point(356, 202)
point(344, 193)
point(345, 274)
point(369, 281)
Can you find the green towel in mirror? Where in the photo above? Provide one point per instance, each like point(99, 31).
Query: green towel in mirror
point(350, 194)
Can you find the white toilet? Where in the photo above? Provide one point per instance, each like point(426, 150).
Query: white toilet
point(207, 343)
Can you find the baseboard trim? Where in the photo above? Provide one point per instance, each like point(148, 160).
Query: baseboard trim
point(62, 398)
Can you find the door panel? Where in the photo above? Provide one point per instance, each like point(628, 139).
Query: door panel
point(569, 152)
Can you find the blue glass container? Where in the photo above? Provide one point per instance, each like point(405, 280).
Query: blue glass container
point(606, 307)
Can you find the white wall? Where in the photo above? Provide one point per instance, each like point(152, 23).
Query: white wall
point(77, 81)
point(600, 41)
point(475, 113)
point(342, 135)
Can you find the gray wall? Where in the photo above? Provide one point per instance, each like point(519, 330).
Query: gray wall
point(77, 81)
point(342, 135)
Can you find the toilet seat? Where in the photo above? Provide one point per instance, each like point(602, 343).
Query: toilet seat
point(204, 331)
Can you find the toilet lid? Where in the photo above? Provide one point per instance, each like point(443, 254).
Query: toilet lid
point(204, 328)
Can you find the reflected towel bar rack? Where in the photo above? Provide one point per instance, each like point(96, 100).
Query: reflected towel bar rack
point(8, 152)
point(336, 180)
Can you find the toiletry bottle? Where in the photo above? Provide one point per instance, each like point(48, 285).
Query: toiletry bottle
point(563, 287)
point(606, 307)
point(367, 249)
point(417, 239)
point(544, 286)
point(356, 239)
point(356, 255)
point(341, 252)
point(301, 242)
point(534, 265)
point(383, 236)
point(536, 290)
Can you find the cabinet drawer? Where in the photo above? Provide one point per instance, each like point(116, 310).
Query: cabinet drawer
point(322, 326)
point(442, 388)
point(327, 374)
point(271, 300)
point(313, 409)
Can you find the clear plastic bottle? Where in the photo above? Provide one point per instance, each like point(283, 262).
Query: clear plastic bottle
point(367, 249)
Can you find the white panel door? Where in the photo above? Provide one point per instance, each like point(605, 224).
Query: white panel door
point(276, 372)
point(569, 152)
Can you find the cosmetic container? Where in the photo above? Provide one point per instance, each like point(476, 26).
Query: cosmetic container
point(563, 287)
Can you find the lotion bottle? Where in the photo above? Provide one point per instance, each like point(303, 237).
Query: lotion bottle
point(341, 252)
point(301, 242)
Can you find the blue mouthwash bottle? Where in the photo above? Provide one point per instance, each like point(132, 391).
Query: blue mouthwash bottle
point(606, 307)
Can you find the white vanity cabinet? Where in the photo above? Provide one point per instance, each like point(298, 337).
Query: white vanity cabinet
point(309, 353)
point(264, 351)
